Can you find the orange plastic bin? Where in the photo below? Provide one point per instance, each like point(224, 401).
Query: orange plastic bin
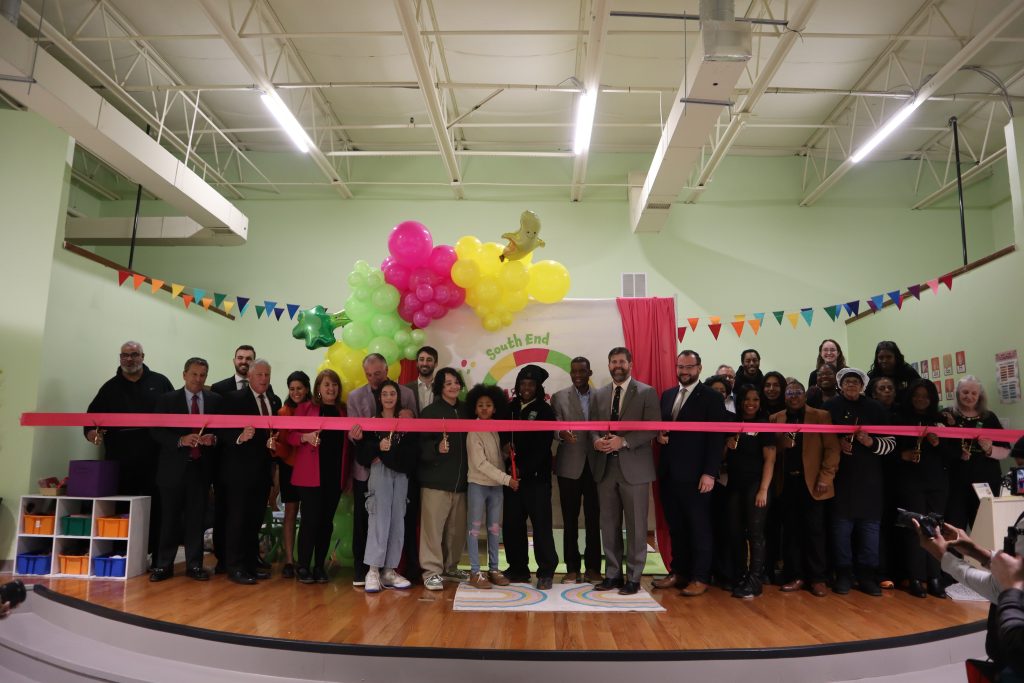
point(39, 524)
point(112, 527)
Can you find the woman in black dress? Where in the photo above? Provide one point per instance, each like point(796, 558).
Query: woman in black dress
point(889, 362)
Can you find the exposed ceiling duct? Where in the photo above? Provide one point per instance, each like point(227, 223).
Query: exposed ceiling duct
point(152, 231)
point(43, 85)
point(713, 69)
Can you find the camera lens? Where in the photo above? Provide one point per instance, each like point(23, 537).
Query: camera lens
point(13, 593)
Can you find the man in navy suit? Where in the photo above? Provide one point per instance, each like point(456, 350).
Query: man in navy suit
point(183, 474)
point(687, 470)
point(245, 471)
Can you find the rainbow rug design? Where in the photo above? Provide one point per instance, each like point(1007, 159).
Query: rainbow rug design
point(569, 597)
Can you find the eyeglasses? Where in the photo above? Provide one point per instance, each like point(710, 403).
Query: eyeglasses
point(790, 394)
point(135, 354)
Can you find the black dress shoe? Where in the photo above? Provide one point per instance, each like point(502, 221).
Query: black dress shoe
point(630, 588)
point(261, 574)
point(197, 573)
point(935, 588)
point(220, 569)
point(160, 574)
point(916, 588)
point(303, 575)
point(609, 584)
point(288, 571)
point(242, 577)
point(262, 564)
point(544, 583)
point(320, 575)
point(515, 577)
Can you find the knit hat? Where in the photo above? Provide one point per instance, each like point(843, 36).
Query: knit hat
point(534, 372)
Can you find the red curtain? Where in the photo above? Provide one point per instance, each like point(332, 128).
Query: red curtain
point(649, 328)
point(409, 372)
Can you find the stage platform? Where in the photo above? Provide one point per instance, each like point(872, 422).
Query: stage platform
point(181, 629)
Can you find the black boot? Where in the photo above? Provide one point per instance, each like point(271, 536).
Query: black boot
point(935, 588)
point(844, 581)
point(868, 582)
point(916, 588)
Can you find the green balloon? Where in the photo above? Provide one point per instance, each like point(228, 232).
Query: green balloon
point(363, 293)
point(402, 338)
point(385, 346)
point(356, 279)
point(385, 324)
point(341, 539)
point(385, 299)
point(418, 336)
point(357, 334)
point(358, 309)
point(361, 266)
point(375, 279)
point(409, 351)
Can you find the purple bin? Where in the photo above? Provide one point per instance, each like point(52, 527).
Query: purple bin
point(92, 478)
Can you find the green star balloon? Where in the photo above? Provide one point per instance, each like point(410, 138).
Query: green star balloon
point(316, 326)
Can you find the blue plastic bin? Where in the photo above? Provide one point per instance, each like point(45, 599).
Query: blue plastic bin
point(33, 563)
point(105, 565)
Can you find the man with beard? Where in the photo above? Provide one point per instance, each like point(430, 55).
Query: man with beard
point(623, 467)
point(422, 386)
point(244, 356)
point(133, 389)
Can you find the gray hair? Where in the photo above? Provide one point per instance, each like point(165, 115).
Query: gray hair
point(260, 361)
point(982, 406)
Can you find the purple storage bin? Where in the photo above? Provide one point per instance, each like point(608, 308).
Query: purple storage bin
point(92, 478)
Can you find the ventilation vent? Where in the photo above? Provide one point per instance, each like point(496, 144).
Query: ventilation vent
point(634, 284)
point(659, 206)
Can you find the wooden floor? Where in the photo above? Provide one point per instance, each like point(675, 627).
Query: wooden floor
point(338, 613)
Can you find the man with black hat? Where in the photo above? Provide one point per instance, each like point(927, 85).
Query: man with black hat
point(530, 462)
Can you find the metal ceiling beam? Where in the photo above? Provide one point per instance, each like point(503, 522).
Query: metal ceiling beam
point(598, 18)
point(252, 66)
point(993, 28)
point(764, 77)
point(410, 30)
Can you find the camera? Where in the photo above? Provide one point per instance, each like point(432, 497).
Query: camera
point(1014, 481)
point(13, 593)
point(930, 523)
point(1010, 541)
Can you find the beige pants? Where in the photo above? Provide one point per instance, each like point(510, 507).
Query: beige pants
point(442, 530)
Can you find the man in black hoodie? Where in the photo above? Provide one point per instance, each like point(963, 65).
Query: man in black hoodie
point(532, 462)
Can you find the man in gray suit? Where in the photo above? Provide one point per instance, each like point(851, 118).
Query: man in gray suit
point(623, 466)
point(576, 479)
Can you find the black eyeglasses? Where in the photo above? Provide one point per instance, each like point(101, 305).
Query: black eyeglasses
point(135, 354)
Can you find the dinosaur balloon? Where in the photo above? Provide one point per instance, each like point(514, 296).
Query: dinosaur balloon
point(317, 326)
point(526, 240)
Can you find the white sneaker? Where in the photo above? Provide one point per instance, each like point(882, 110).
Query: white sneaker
point(392, 579)
point(434, 583)
point(372, 582)
point(457, 575)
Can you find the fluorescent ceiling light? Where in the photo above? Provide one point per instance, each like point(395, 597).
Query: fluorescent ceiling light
point(884, 132)
point(585, 120)
point(287, 120)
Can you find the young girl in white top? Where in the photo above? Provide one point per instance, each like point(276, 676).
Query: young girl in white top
point(487, 476)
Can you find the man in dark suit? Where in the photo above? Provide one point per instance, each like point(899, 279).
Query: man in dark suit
point(623, 466)
point(422, 386)
point(576, 483)
point(687, 470)
point(244, 356)
point(183, 474)
point(245, 471)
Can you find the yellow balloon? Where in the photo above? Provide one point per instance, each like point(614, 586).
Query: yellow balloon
point(468, 247)
point(465, 273)
point(492, 322)
point(487, 290)
point(514, 301)
point(506, 318)
point(394, 370)
point(483, 310)
point(513, 275)
point(345, 360)
point(549, 282)
point(471, 298)
point(489, 258)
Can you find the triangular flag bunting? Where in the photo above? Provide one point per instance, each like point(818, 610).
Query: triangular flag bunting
point(693, 322)
point(218, 299)
point(778, 316)
point(739, 316)
point(206, 302)
point(755, 324)
point(934, 284)
point(176, 290)
point(292, 310)
point(137, 280)
point(228, 305)
point(680, 333)
point(808, 314)
point(715, 319)
point(122, 275)
point(157, 285)
point(896, 298)
point(852, 307)
point(738, 326)
point(793, 318)
point(878, 300)
point(198, 294)
point(259, 311)
point(833, 311)
point(277, 312)
point(915, 291)
point(760, 319)
point(187, 298)
point(269, 307)
point(872, 305)
point(947, 280)
point(715, 329)
point(243, 302)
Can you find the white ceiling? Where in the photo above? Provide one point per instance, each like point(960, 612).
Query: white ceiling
point(522, 56)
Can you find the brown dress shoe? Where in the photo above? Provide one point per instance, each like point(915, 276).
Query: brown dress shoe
point(695, 588)
point(571, 577)
point(819, 589)
point(670, 581)
point(592, 577)
point(792, 586)
point(497, 578)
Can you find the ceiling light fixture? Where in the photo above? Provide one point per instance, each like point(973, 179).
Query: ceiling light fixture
point(287, 120)
point(884, 132)
point(585, 109)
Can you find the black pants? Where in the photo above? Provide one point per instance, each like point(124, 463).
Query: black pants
point(360, 527)
point(317, 505)
point(803, 532)
point(137, 477)
point(688, 514)
point(246, 499)
point(411, 546)
point(220, 513)
point(746, 526)
point(572, 492)
point(183, 500)
point(532, 501)
point(918, 497)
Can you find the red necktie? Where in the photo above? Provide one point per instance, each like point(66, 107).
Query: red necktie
point(194, 453)
point(264, 408)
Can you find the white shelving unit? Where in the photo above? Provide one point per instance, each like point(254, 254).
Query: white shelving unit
point(132, 547)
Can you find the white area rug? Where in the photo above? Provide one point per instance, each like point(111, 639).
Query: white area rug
point(570, 597)
point(960, 592)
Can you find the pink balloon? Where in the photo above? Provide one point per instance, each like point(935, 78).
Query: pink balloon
point(443, 293)
point(421, 319)
point(411, 302)
point(398, 275)
point(434, 309)
point(410, 243)
point(441, 260)
point(457, 298)
point(425, 293)
point(386, 262)
point(405, 314)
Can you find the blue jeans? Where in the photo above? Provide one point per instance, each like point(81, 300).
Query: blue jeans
point(866, 531)
point(483, 499)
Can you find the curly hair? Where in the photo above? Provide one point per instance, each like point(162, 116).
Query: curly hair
point(491, 391)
